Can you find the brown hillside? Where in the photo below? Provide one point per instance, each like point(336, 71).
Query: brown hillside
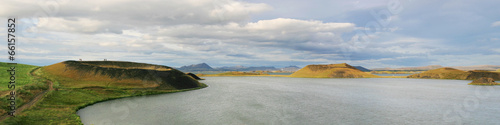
point(484, 81)
point(342, 70)
point(118, 74)
point(451, 73)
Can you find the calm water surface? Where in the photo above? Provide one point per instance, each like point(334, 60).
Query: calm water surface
point(393, 74)
point(301, 101)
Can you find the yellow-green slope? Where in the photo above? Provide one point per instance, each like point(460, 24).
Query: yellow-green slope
point(78, 74)
point(342, 70)
point(451, 73)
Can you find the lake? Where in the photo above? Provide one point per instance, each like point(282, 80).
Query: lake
point(392, 74)
point(301, 101)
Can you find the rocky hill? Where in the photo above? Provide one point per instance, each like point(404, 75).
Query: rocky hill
point(119, 74)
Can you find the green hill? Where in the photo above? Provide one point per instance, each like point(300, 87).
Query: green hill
point(79, 74)
point(342, 70)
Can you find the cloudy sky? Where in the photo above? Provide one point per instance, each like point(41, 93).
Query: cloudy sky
point(371, 33)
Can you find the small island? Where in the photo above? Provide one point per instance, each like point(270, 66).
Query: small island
point(484, 81)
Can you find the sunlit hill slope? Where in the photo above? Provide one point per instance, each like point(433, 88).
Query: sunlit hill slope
point(451, 73)
point(342, 70)
point(118, 74)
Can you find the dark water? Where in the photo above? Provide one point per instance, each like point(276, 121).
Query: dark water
point(306, 101)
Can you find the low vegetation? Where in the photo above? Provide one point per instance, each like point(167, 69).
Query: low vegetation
point(451, 73)
point(441, 73)
point(26, 87)
point(73, 85)
point(480, 77)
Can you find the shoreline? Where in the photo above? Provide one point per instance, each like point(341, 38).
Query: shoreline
point(147, 94)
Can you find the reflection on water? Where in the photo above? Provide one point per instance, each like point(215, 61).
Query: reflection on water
point(301, 101)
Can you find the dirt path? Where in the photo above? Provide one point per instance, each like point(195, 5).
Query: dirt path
point(35, 99)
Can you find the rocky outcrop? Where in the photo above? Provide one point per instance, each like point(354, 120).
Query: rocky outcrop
point(194, 76)
point(484, 81)
point(120, 73)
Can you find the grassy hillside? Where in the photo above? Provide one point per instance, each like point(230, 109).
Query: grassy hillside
point(118, 74)
point(451, 73)
point(26, 87)
point(73, 85)
point(342, 70)
point(22, 75)
point(441, 73)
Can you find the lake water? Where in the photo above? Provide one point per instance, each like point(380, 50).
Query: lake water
point(307, 101)
point(393, 74)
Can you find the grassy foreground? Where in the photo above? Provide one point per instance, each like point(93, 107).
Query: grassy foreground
point(60, 98)
point(26, 86)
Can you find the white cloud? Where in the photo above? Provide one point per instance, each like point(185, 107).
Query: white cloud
point(140, 13)
point(78, 25)
point(281, 32)
point(495, 24)
point(496, 50)
point(225, 31)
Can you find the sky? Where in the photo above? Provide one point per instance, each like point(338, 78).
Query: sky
point(370, 33)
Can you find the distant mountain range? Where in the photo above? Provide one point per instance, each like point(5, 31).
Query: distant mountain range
point(431, 67)
point(196, 67)
point(290, 69)
point(206, 67)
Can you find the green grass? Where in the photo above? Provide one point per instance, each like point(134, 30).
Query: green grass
point(59, 107)
point(26, 87)
point(22, 75)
